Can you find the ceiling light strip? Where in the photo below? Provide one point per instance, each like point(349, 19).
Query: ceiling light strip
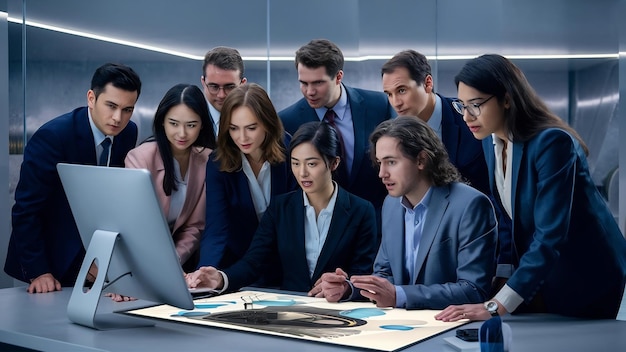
point(290, 58)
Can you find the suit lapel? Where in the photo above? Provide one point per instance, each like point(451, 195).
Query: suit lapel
point(85, 145)
point(394, 230)
point(308, 113)
point(359, 120)
point(278, 179)
point(194, 186)
point(490, 160)
point(294, 231)
point(518, 152)
point(449, 130)
point(436, 210)
point(338, 223)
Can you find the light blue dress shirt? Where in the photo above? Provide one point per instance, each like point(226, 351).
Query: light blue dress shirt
point(98, 137)
point(435, 119)
point(413, 225)
point(215, 116)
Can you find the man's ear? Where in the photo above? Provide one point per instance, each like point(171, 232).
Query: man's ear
point(428, 84)
point(91, 99)
point(421, 159)
point(339, 77)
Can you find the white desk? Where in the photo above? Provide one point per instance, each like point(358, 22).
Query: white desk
point(40, 322)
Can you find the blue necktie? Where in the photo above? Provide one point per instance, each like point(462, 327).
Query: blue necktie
point(104, 157)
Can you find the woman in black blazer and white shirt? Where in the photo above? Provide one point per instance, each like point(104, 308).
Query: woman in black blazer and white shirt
point(312, 230)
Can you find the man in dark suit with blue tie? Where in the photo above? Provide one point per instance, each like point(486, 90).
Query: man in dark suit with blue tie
point(354, 112)
point(45, 249)
point(408, 83)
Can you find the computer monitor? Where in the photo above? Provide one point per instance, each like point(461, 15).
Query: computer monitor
point(124, 231)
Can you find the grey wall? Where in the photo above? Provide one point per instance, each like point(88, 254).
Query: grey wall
point(59, 66)
point(5, 281)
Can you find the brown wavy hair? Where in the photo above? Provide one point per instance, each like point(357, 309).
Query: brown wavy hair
point(254, 97)
point(415, 136)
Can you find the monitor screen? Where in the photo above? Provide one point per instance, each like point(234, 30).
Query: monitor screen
point(121, 208)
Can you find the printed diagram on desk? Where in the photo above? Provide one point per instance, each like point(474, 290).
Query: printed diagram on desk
point(354, 324)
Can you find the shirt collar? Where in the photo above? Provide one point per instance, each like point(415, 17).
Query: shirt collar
point(331, 203)
point(215, 115)
point(424, 202)
point(98, 136)
point(339, 108)
point(435, 119)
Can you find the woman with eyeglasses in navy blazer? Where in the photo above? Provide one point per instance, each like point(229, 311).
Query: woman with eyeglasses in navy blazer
point(567, 253)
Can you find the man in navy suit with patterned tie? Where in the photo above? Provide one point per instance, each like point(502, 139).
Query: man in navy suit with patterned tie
point(45, 249)
point(354, 112)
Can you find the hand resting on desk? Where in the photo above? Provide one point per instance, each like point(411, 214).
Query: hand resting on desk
point(205, 277)
point(44, 283)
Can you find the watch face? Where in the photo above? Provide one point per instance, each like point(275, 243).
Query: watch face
point(491, 306)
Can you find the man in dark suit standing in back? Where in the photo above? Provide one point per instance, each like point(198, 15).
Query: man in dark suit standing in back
point(354, 112)
point(408, 83)
point(45, 249)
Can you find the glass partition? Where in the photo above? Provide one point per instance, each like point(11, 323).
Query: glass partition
point(567, 48)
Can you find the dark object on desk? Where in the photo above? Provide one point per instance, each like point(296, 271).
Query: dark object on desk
point(469, 335)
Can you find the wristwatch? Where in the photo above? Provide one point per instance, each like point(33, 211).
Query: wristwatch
point(492, 308)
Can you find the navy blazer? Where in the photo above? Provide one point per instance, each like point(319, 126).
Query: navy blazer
point(368, 109)
point(456, 256)
point(350, 244)
point(231, 219)
point(464, 150)
point(44, 237)
point(570, 249)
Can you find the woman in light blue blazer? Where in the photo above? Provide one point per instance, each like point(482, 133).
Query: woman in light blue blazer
point(567, 254)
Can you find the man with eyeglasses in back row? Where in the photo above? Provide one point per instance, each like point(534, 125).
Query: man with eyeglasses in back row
point(222, 72)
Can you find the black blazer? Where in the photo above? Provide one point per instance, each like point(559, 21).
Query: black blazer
point(368, 109)
point(44, 237)
point(350, 244)
point(231, 219)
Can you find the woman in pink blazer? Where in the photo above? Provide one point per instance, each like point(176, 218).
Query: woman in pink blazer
point(176, 156)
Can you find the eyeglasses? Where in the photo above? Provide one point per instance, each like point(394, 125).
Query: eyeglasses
point(214, 88)
point(472, 108)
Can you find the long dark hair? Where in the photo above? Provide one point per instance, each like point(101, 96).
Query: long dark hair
point(193, 98)
point(528, 115)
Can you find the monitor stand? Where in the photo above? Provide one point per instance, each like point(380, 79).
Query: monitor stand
point(83, 305)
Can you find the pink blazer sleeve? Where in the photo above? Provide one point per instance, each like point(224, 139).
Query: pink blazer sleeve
point(189, 226)
point(190, 223)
